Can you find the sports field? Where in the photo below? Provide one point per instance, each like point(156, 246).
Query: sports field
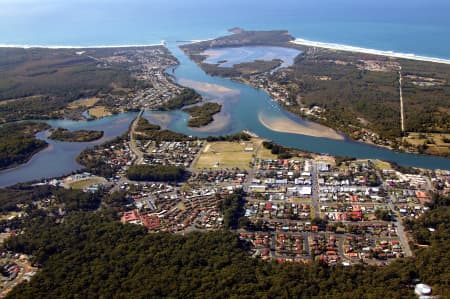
point(227, 155)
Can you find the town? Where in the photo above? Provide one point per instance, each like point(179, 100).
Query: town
point(293, 206)
point(146, 65)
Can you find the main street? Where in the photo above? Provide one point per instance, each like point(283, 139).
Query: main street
point(315, 189)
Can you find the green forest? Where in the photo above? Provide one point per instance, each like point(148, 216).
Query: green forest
point(37, 83)
point(90, 254)
point(75, 136)
point(188, 96)
point(18, 144)
point(202, 115)
point(147, 131)
point(159, 173)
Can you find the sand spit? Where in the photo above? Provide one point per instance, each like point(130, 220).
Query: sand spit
point(286, 125)
point(212, 89)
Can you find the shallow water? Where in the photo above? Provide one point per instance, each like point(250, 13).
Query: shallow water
point(236, 55)
point(59, 158)
point(242, 106)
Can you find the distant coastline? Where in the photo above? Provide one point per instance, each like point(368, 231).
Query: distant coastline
point(77, 47)
point(298, 41)
point(340, 47)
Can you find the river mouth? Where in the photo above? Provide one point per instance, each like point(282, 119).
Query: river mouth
point(244, 108)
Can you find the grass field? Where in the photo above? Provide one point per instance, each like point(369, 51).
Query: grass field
point(89, 102)
point(99, 112)
point(81, 184)
point(382, 164)
point(227, 155)
point(437, 143)
point(266, 154)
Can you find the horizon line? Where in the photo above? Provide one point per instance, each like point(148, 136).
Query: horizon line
point(298, 41)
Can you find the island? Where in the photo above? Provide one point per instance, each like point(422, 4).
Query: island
point(202, 115)
point(18, 142)
point(371, 96)
point(61, 134)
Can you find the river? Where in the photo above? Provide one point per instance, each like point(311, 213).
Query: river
point(243, 108)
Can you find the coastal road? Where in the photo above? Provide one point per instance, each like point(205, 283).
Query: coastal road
point(315, 189)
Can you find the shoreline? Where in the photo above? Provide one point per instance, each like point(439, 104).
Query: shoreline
point(79, 47)
point(348, 48)
point(285, 125)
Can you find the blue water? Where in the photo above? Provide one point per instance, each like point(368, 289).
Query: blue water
point(412, 26)
point(243, 110)
point(59, 158)
point(227, 57)
point(415, 26)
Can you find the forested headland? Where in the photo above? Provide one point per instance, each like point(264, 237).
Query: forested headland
point(18, 143)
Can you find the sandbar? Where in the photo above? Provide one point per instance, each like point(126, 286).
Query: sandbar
point(220, 122)
point(212, 89)
point(162, 119)
point(286, 125)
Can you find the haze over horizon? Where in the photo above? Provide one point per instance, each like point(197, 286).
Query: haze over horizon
point(419, 27)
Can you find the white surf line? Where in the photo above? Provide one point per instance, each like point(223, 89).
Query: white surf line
point(78, 47)
point(332, 46)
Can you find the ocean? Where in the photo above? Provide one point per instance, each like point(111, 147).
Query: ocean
point(421, 27)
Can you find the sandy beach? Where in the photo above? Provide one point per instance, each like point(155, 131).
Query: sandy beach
point(304, 42)
point(77, 47)
point(212, 89)
point(286, 125)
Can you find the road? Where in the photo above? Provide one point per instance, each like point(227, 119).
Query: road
point(400, 229)
point(194, 162)
point(251, 172)
point(315, 189)
point(402, 111)
point(133, 147)
point(398, 219)
point(8, 285)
